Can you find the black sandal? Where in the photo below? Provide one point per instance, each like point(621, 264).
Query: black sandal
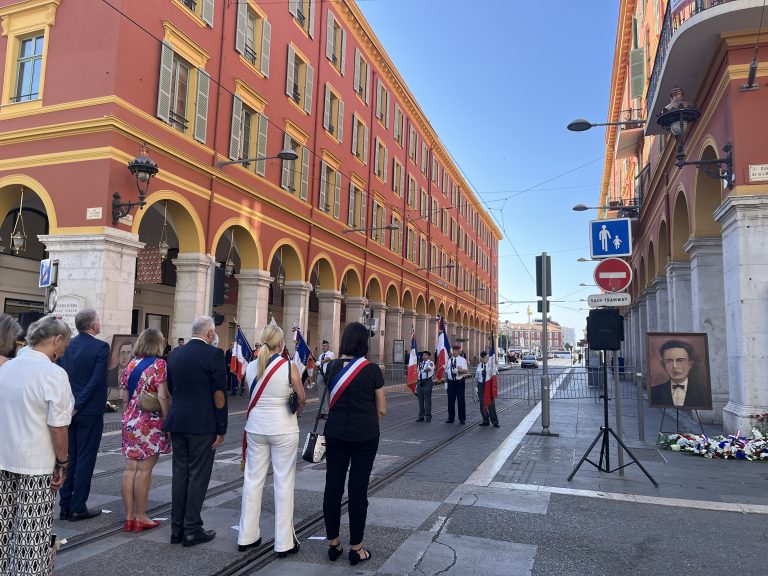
point(334, 551)
point(354, 556)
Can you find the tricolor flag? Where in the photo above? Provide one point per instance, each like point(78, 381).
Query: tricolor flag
point(241, 353)
point(413, 365)
point(302, 355)
point(443, 350)
point(491, 389)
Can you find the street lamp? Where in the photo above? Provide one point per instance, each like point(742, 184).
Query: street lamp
point(449, 266)
point(619, 206)
point(387, 227)
point(676, 118)
point(286, 154)
point(582, 259)
point(581, 125)
point(143, 169)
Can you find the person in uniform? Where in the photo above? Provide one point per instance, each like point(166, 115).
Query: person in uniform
point(424, 386)
point(483, 375)
point(456, 371)
point(323, 364)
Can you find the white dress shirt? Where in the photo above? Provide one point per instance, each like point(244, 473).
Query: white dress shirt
point(678, 394)
point(479, 372)
point(426, 369)
point(322, 361)
point(454, 364)
point(35, 394)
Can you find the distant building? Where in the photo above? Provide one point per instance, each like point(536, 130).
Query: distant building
point(569, 336)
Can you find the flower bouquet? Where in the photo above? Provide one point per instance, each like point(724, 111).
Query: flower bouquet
point(733, 447)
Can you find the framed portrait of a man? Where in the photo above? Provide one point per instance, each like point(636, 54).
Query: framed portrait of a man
point(678, 371)
point(119, 356)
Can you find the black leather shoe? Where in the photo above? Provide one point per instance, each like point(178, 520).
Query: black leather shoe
point(88, 513)
point(495, 424)
point(177, 539)
point(244, 547)
point(485, 423)
point(291, 551)
point(64, 515)
point(198, 538)
point(420, 419)
point(449, 421)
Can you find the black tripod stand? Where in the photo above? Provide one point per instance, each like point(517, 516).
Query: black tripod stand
point(605, 433)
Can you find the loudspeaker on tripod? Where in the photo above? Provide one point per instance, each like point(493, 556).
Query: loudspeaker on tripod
point(605, 329)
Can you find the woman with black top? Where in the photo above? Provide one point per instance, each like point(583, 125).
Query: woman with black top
point(352, 439)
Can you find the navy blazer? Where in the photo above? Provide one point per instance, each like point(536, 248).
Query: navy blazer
point(85, 361)
point(195, 373)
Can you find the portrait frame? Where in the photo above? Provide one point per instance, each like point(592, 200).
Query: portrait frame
point(118, 341)
point(699, 391)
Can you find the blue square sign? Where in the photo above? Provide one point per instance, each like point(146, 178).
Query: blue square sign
point(610, 238)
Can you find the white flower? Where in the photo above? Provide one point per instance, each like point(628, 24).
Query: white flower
point(675, 447)
point(756, 434)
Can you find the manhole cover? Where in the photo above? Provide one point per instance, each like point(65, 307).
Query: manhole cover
point(529, 453)
point(648, 455)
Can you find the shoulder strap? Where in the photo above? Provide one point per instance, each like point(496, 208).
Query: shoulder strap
point(256, 396)
point(138, 370)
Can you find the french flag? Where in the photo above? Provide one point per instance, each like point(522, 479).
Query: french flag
point(241, 353)
point(413, 365)
point(302, 355)
point(443, 350)
point(491, 391)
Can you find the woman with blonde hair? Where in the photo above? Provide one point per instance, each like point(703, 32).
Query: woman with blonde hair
point(9, 332)
point(34, 418)
point(143, 436)
point(271, 436)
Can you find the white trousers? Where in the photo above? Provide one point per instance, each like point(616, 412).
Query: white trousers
point(280, 450)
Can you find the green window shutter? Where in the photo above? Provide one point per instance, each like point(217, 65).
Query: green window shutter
point(266, 39)
point(164, 88)
point(290, 71)
point(329, 36)
point(327, 107)
point(637, 72)
point(287, 165)
point(242, 24)
point(308, 82)
point(206, 12)
point(336, 194)
point(237, 126)
point(304, 173)
point(261, 145)
point(323, 183)
point(340, 122)
point(201, 106)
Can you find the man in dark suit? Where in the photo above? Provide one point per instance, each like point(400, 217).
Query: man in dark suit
point(679, 391)
point(85, 362)
point(197, 422)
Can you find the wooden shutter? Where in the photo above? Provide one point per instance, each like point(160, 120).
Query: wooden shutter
point(376, 158)
point(378, 98)
point(374, 220)
point(327, 107)
point(402, 179)
point(261, 145)
point(164, 88)
point(308, 81)
point(340, 123)
point(201, 106)
point(293, 7)
point(323, 183)
point(290, 71)
point(242, 25)
point(304, 173)
point(367, 83)
point(351, 215)
point(336, 194)
point(266, 38)
point(395, 128)
point(394, 174)
point(392, 235)
point(363, 207)
point(354, 135)
point(365, 144)
point(237, 126)
point(311, 27)
point(343, 50)
point(383, 223)
point(384, 166)
point(206, 12)
point(386, 111)
point(637, 72)
point(287, 164)
point(356, 81)
point(329, 36)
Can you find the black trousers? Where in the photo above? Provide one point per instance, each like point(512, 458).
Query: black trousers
point(456, 396)
point(490, 413)
point(84, 439)
point(357, 457)
point(192, 466)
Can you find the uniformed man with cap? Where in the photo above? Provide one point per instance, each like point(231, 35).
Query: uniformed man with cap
point(483, 375)
point(455, 372)
point(424, 386)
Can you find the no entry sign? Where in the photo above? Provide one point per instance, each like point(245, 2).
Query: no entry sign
point(613, 275)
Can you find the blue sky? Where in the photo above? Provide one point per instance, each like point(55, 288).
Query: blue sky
point(499, 82)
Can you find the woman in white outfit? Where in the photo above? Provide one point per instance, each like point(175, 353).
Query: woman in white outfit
point(272, 435)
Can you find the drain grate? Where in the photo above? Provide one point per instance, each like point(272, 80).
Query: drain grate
point(648, 455)
point(531, 453)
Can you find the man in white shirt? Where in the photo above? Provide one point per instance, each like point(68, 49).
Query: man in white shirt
point(323, 365)
point(424, 386)
point(455, 372)
point(483, 375)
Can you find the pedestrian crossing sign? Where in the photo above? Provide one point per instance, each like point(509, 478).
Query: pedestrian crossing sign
point(610, 238)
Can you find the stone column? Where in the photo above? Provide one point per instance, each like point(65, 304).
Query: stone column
point(679, 284)
point(97, 271)
point(295, 306)
point(422, 337)
point(376, 343)
point(354, 311)
point(329, 318)
point(193, 296)
point(432, 324)
point(253, 301)
point(650, 309)
point(393, 330)
point(409, 323)
point(643, 329)
point(708, 308)
point(662, 303)
point(745, 242)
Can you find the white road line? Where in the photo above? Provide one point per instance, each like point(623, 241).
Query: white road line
point(486, 472)
point(637, 498)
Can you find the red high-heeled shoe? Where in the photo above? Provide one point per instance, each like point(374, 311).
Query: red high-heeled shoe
point(129, 525)
point(139, 526)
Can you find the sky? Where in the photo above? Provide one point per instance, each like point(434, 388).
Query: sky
point(499, 80)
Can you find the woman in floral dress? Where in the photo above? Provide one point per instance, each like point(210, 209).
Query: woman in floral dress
point(143, 436)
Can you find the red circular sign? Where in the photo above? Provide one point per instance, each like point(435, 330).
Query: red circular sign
point(613, 274)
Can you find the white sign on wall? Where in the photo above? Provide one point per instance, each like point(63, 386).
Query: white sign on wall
point(67, 307)
point(758, 172)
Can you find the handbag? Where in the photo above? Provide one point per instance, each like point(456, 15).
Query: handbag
point(293, 401)
point(149, 402)
point(314, 445)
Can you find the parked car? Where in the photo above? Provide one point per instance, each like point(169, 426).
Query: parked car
point(529, 362)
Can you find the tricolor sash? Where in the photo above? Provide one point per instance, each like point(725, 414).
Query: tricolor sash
point(344, 377)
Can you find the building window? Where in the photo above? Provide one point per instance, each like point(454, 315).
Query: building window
point(303, 12)
point(398, 177)
point(424, 204)
point(179, 94)
point(433, 258)
point(248, 138)
point(399, 128)
point(295, 173)
point(29, 67)
point(330, 190)
point(382, 103)
point(435, 170)
point(411, 192)
point(410, 244)
point(335, 43)
point(253, 37)
point(424, 158)
point(423, 252)
point(362, 80)
point(435, 211)
point(203, 9)
point(357, 206)
point(359, 139)
point(380, 161)
point(378, 222)
point(445, 183)
point(413, 142)
point(395, 238)
point(333, 114)
point(298, 81)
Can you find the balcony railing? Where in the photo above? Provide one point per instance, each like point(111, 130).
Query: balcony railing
point(675, 17)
